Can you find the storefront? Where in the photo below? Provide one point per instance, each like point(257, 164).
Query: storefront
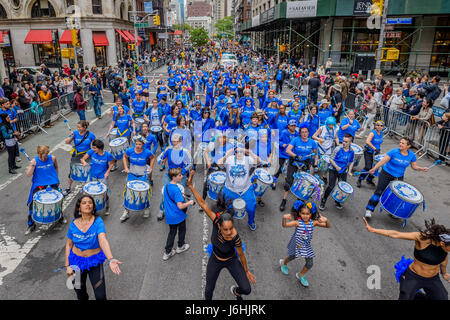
point(7, 50)
point(45, 47)
point(66, 38)
point(100, 43)
point(121, 44)
point(440, 56)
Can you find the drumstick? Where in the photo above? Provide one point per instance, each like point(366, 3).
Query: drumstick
point(357, 173)
point(67, 123)
point(437, 162)
point(23, 151)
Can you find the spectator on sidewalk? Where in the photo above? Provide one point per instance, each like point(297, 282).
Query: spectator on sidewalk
point(45, 96)
point(444, 136)
point(80, 103)
point(96, 97)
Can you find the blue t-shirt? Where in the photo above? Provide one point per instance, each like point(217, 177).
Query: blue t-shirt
point(177, 158)
point(99, 164)
point(86, 144)
point(138, 106)
point(398, 163)
point(123, 125)
point(171, 122)
point(246, 115)
point(296, 116)
point(210, 88)
point(285, 139)
point(377, 139)
point(351, 129)
point(173, 195)
point(343, 158)
point(138, 159)
point(281, 122)
point(89, 239)
point(302, 148)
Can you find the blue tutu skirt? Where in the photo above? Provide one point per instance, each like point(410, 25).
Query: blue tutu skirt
point(84, 263)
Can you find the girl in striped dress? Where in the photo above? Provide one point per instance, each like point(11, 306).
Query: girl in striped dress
point(304, 217)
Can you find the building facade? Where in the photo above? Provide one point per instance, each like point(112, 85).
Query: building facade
point(199, 9)
point(315, 30)
point(201, 22)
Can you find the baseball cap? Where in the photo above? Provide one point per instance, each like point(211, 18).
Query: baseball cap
point(292, 122)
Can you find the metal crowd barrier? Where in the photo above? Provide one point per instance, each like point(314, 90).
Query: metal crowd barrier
point(437, 142)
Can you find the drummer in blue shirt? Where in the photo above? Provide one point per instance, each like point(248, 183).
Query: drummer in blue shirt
point(303, 155)
point(286, 136)
point(372, 148)
point(44, 169)
point(210, 92)
point(124, 124)
point(138, 105)
point(295, 113)
point(82, 140)
point(341, 161)
point(263, 149)
point(139, 157)
point(101, 164)
point(394, 165)
point(348, 125)
point(154, 116)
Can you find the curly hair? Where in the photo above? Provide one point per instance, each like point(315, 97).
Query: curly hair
point(433, 230)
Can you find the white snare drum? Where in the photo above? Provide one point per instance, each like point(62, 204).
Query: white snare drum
point(156, 129)
point(47, 206)
point(79, 173)
point(139, 122)
point(216, 181)
point(263, 180)
point(324, 163)
point(118, 147)
point(239, 208)
point(137, 195)
point(113, 134)
point(342, 191)
point(98, 191)
point(358, 153)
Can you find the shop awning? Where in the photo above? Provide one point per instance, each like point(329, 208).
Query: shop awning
point(122, 34)
point(1, 37)
point(66, 37)
point(38, 37)
point(129, 35)
point(100, 39)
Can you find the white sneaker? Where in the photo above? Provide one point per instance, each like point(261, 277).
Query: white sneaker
point(183, 248)
point(146, 213)
point(124, 216)
point(18, 159)
point(168, 256)
point(368, 214)
point(107, 213)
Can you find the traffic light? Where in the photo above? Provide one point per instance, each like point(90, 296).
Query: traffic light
point(377, 7)
point(156, 20)
point(75, 41)
point(131, 46)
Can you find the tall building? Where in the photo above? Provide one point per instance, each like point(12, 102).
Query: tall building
point(201, 22)
point(199, 9)
point(182, 9)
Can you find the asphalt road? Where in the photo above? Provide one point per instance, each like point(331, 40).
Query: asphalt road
point(343, 253)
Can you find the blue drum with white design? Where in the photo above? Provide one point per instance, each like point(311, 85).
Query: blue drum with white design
point(118, 147)
point(239, 208)
point(79, 173)
point(342, 191)
point(401, 199)
point(98, 191)
point(139, 122)
point(262, 180)
point(216, 180)
point(305, 185)
point(47, 206)
point(137, 195)
point(358, 154)
point(324, 163)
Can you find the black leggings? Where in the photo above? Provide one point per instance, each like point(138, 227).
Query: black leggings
point(383, 181)
point(368, 164)
point(97, 278)
point(11, 157)
point(281, 162)
point(181, 228)
point(236, 270)
point(333, 176)
point(410, 282)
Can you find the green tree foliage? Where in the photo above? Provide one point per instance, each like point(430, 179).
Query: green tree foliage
point(199, 37)
point(183, 26)
point(224, 28)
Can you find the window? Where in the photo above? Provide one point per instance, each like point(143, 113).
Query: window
point(42, 8)
point(3, 14)
point(440, 57)
point(70, 3)
point(97, 7)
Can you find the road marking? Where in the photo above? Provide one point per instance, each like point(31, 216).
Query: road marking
point(4, 185)
point(205, 254)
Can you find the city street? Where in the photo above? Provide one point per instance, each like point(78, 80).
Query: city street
point(343, 253)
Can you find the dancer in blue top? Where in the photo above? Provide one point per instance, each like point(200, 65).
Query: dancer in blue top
point(325, 111)
point(394, 166)
point(303, 220)
point(348, 125)
point(210, 93)
point(87, 249)
point(44, 169)
point(82, 140)
point(139, 157)
point(341, 163)
point(101, 164)
point(372, 148)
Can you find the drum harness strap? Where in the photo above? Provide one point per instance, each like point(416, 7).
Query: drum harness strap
point(74, 150)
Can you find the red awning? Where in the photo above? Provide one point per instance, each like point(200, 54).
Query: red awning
point(100, 39)
point(124, 37)
point(129, 35)
point(38, 37)
point(1, 37)
point(66, 37)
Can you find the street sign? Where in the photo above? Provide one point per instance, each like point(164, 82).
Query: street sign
point(141, 25)
point(148, 8)
point(399, 20)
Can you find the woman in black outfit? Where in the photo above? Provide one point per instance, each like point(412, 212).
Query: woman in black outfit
point(224, 239)
point(430, 256)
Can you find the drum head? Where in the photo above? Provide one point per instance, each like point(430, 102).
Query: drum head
point(118, 141)
point(138, 185)
point(94, 188)
point(344, 186)
point(310, 178)
point(239, 203)
point(48, 197)
point(406, 192)
point(155, 129)
point(217, 177)
point(140, 120)
point(263, 175)
point(378, 157)
point(357, 149)
point(113, 131)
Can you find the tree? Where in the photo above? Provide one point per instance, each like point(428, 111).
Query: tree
point(224, 28)
point(199, 37)
point(183, 27)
